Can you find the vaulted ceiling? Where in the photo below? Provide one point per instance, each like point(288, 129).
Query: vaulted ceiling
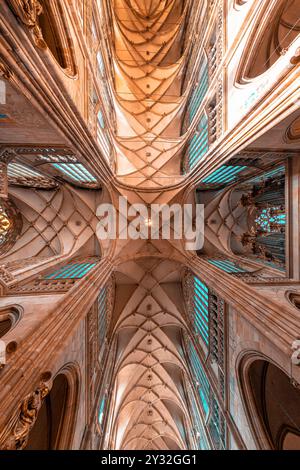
point(150, 44)
point(149, 397)
point(148, 57)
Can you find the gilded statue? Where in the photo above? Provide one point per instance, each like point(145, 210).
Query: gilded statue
point(16, 434)
point(29, 11)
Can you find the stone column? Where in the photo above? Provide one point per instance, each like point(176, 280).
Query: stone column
point(27, 365)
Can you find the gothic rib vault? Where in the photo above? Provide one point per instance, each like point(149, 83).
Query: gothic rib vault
point(149, 57)
point(147, 136)
point(149, 404)
point(150, 410)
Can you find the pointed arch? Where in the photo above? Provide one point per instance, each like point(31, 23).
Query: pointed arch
point(277, 28)
point(55, 33)
point(54, 427)
point(46, 22)
point(272, 402)
point(9, 317)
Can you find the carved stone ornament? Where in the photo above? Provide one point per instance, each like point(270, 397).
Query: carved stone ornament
point(28, 11)
point(7, 154)
point(4, 71)
point(16, 433)
point(5, 275)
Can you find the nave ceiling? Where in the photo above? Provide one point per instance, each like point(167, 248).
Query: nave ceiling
point(55, 209)
point(149, 403)
point(149, 59)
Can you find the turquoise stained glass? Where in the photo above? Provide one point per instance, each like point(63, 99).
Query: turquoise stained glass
point(101, 410)
point(199, 91)
point(270, 217)
point(201, 378)
point(217, 425)
point(201, 437)
point(102, 330)
point(225, 174)
point(72, 271)
point(214, 420)
point(76, 172)
point(198, 145)
point(227, 265)
point(279, 171)
point(201, 311)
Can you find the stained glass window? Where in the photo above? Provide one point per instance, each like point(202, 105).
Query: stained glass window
point(270, 219)
point(200, 433)
point(214, 422)
point(101, 411)
point(216, 425)
point(203, 386)
point(70, 167)
point(17, 170)
point(227, 265)
point(224, 175)
point(198, 145)
point(76, 172)
point(199, 91)
point(277, 172)
point(72, 271)
point(23, 175)
point(266, 201)
point(201, 312)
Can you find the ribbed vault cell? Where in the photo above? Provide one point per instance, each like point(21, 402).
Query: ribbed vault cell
point(148, 60)
point(225, 222)
point(149, 409)
point(54, 222)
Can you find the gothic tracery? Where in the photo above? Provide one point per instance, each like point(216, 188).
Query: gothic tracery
point(141, 343)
